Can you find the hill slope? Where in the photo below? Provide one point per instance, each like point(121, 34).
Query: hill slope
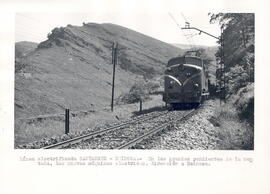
point(24, 47)
point(72, 69)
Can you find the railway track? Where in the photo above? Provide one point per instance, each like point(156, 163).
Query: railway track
point(153, 131)
point(88, 136)
point(131, 136)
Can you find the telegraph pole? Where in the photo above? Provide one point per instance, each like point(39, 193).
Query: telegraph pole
point(114, 62)
point(221, 39)
point(223, 65)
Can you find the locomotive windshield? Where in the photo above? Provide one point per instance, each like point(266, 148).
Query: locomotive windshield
point(194, 61)
point(177, 60)
point(185, 60)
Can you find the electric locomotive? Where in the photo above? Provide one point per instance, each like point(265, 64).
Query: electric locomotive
point(185, 81)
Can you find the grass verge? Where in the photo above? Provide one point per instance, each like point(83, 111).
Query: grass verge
point(234, 133)
point(26, 132)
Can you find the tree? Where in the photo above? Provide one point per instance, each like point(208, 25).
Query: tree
point(238, 40)
point(238, 35)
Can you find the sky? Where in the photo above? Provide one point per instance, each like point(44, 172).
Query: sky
point(34, 27)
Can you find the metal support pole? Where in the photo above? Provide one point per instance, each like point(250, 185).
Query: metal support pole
point(113, 53)
point(140, 105)
point(223, 66)
point(224, 71)
point(67, 121)
point(114, 61)
point(200, 31)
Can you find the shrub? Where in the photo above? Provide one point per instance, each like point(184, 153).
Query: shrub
point(152, 86)
point(237, 78)
point(139, 91)
point(244, 102)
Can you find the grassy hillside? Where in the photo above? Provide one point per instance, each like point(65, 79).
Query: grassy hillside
point(72, 69)
point(23, 48)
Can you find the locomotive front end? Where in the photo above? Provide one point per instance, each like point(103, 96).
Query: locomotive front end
point(182, 84)
point(185, 81)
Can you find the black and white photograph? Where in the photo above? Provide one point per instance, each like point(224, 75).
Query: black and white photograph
point(128, 97)
point(185, 82)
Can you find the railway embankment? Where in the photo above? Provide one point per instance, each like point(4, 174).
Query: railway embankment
point(215, 127)
point(52, 128)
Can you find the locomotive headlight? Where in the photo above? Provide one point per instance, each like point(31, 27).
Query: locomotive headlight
point(196, 85)
point(172, 82)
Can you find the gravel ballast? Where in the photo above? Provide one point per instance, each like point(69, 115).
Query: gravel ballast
point(197, 132)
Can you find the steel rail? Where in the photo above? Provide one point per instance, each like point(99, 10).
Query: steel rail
point(153, 131)
point(100, 132)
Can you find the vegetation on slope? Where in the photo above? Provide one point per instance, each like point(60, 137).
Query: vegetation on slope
point(238, 57)
point(140, 91)
point(23, 48)
point(72, 68)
